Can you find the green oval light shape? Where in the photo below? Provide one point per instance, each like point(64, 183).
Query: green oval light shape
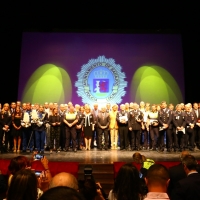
point(154, 84)
point(48, 83)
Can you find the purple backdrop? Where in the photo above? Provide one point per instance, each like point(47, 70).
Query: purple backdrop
point(71, 50)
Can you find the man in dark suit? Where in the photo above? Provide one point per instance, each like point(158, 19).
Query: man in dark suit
point(95, 112)
point(103, 121)
point(176, 173)
point(179, 126)
point(196, 111)
point(189, 187)
point(135, 118)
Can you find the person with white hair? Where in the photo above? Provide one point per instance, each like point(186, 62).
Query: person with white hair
point(122, 119)
point(88, 127)
point(190, 119)
point(113, 127)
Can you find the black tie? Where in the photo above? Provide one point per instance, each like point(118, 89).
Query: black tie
point(88, 121)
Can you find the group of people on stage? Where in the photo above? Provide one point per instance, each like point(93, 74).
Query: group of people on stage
point(129, 126)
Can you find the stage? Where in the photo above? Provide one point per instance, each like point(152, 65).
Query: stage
point(103, 157)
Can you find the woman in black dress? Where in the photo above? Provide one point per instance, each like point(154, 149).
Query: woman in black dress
point(88, 127)
point(54, 121)
point(5, 122)
point(17, 129)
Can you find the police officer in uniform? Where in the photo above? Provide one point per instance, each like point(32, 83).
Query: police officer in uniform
point(135, 118)
point(170, 133)
point(164, 118)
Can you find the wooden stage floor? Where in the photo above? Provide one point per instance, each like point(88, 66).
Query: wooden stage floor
point(103, 157)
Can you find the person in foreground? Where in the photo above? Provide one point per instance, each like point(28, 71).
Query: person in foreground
point(189, 187)
point(64, 179)
point(24, 185)
point(157, 181)
point(176, 173)
point(91, 190)
point(60, 193)
point(17, 163)
point(127, 184)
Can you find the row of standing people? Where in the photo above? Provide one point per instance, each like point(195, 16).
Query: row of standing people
point(181, 126)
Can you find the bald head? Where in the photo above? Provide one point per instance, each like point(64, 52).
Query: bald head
point(64, 179)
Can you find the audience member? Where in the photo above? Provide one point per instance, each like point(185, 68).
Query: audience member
point(45, 181)
point(3, 184)
point(127, 184)
point(91, 190)
point(188, 188)
point(88, 189)
point(64, 179)
point(23, 186)
point(16, 164)
point(61, 192)
point(22, 162)
point(145, 163)
point(176, 173)
point(157, 181)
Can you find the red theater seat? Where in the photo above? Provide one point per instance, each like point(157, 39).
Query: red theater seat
point(168, 164)
point(57, 167)
point(4, 166)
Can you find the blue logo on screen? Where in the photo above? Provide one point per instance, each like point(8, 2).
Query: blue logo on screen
point(101, 81)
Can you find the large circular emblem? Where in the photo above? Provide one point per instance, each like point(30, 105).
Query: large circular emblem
point(101, 81)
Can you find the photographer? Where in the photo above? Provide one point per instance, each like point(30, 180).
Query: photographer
point(89, 188)
point(44, 177)
point(16, 164)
